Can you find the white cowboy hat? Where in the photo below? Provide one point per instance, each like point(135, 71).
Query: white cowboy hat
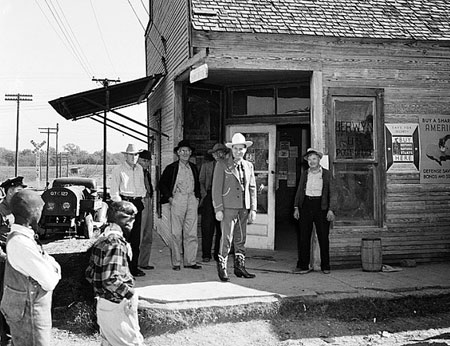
point(131, 150)
point(238, 138)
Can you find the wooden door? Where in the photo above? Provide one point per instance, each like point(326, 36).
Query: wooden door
point(261, 234)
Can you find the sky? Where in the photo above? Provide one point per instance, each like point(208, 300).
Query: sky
point(53, 48)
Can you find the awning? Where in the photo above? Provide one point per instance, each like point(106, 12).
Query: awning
point(95, 101)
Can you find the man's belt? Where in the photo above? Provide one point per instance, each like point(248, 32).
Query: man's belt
point(130, 199)
point(313, 197)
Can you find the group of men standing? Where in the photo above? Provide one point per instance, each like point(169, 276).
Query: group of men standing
point(227, 190)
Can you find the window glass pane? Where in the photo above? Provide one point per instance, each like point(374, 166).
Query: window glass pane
point(253, 102)
point(262, 182)
point(355, 193)
point(293, 100)
point(258, 153)
point(354, 129)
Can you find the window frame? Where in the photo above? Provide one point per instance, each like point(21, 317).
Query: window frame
point(378, 160)
point(275, 87)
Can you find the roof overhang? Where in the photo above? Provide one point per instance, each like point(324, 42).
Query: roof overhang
point(116, 96)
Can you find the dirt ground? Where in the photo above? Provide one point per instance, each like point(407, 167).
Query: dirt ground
point(278, 332)
point(74, 319)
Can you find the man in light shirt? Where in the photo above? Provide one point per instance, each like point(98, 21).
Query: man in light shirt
point(314, 204)
point(127, 184)
point(31, 275)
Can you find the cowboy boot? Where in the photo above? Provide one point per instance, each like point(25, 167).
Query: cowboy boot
point(239, 267)
point(222, 268)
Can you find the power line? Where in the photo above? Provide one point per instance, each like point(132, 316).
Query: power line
point(137, 17)
point(74, 36)
point(145, 8)
point(101, 36)
point(71, 47)
point(66, 33)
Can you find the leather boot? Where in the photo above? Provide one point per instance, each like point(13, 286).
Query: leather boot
point(222, 268)
point(239, 267)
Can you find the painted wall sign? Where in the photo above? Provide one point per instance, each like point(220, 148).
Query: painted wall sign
point(402, 148)
point(435, 149)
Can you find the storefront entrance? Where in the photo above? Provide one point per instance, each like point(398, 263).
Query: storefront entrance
point(260, 234)
point(276, 154)
point(292, 143)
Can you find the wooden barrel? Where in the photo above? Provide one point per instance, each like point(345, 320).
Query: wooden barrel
point(371, 254)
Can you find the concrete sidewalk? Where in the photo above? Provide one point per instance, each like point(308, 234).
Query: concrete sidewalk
point(164, 288)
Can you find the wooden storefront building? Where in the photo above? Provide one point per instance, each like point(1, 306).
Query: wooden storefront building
point(361, 80)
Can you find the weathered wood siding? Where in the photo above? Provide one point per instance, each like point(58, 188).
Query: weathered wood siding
point(415, 77)
point(170, 19)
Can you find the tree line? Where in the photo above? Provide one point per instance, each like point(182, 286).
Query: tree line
point(75, 155)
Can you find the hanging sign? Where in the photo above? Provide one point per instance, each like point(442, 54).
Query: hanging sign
point(198, 73)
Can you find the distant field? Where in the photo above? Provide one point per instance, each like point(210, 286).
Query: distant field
point(29, 173)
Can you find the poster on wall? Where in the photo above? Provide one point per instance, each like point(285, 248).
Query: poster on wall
point(402, 148)
point(435, 149)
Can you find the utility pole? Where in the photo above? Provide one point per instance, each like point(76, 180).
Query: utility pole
point(37, 151)
point(105, 82)
point(49, 131)
point(17, 98)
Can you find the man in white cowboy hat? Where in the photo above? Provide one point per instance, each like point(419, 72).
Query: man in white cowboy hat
point(210, 225)
point(127, 184)
point(180, 195)
point(314, 202)
point(234, 201)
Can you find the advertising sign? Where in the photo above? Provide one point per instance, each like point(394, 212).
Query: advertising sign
point(435, 149)
point(402, 148)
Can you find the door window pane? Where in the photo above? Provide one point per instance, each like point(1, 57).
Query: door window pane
point(354, 129)
point(258, 153)
point(262, 188)
point(253, 102)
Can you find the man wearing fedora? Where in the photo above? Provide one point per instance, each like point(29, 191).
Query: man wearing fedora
point(209, 223)
point(10, 187)
point(314, 204)
point(234, 201)
point(127, 184)
point(180, 194)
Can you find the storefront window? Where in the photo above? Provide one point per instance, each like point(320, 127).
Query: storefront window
point(253, 102)
point(356, 119)
point(293, 100)
point(270, 100)
point(354, 188)
point(354, 129)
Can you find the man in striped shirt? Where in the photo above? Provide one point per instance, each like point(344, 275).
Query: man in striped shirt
point(109, 274)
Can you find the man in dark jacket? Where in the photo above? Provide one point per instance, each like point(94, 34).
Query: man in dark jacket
point(180, 194)
point(314, 203)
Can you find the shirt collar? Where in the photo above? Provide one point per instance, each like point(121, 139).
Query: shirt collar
point(26, 231)
point(113, 229)
point(320, 170)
